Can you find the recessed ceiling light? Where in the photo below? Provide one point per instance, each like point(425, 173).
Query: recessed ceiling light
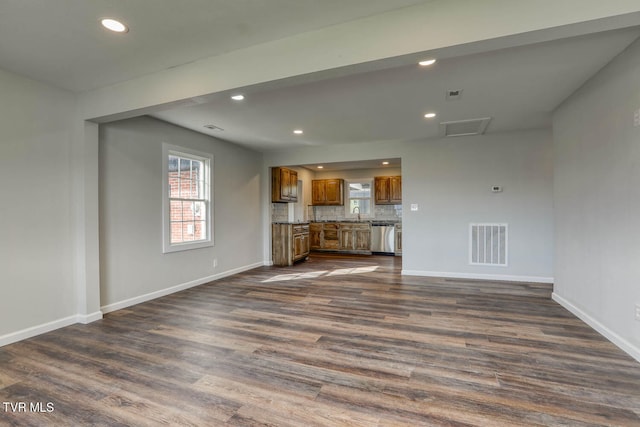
point(320, 167)
point(113, 25)
point(298, 132)
point(430, 115)
point(427, 62)
point(385, 163)
point(237, 97)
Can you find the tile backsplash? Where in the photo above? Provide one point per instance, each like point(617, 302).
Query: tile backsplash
point(280, 213)
point(337, 213)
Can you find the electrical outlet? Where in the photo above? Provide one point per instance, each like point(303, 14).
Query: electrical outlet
point(638, 312)
point(215, 262)
point(636, 117)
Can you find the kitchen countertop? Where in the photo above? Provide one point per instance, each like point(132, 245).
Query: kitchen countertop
point(353, 221)
point(329, 221)
point(291, 222)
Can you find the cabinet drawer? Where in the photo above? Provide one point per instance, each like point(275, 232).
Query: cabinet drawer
point(300, 228)
point(331, 234)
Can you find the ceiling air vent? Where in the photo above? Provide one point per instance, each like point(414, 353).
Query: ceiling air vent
point(454, 94)
point(465, 127)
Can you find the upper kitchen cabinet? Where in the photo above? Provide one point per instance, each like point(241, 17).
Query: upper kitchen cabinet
point(284, 185)
point(388, 190)
point(327, 192)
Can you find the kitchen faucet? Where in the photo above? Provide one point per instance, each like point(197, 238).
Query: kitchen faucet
point(354, 211)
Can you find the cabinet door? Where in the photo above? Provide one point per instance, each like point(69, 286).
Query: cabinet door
point(318, 192)
point(281, 188)
point(305, 245)
point(395, 190)
point(382, 190)
point(293, 186)
point(299, 246)
point(333, 192)
point(315, 231)
point(285, 186)
point(330, 238)
point(346, 239)
point(362, 240)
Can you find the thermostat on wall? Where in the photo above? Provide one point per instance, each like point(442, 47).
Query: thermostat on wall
point(496, 189)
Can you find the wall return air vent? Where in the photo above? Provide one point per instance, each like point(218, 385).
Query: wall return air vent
point(488, 244)
point(464, 127)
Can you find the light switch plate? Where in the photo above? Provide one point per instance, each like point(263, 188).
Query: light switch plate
point(636, 117)
point(414, 206)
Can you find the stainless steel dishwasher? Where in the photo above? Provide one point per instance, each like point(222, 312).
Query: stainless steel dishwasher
point(382, 238)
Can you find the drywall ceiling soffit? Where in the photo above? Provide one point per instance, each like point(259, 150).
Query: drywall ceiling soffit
point(392, 163)
point(518, 87)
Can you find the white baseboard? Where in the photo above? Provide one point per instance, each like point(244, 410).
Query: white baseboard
point(616, 339)
point(37, 330)
point(92, 317)
point(173, 289)
point(474, 276)
point(88, 318)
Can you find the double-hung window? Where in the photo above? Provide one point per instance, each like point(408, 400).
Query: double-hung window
point(187, 220)
point(359, 203)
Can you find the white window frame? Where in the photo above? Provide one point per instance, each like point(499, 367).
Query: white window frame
point(207, 159)
point(347, 203)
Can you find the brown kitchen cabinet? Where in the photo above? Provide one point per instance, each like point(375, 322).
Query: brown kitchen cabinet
point(324, 236)
point(300, 245)
point(284, 185)
point(289, 243)
point(355, 237)
point(327, 192)
point(330, 236)
point(388, 190)
point(340, 237)
point(315, 235)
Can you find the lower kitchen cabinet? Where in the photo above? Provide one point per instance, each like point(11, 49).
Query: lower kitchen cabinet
point(355, 237)
point(289, 243)
point(330, 236)
point(340, 237)
point(315, 235)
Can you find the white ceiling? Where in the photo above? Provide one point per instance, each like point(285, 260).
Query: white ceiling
point(518, 87)
point(60, 42)
point(392, 163)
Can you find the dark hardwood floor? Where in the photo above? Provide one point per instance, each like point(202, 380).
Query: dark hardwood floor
point(332, 341)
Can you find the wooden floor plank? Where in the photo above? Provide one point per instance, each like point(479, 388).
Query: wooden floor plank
point(336, 340)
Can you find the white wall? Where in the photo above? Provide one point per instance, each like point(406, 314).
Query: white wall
point(133, 267)
point(450, 180)
point(36, 239)
point(597, 201)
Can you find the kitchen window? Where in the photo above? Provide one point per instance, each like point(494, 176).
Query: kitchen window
point(187, 220)
point(359, 200)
